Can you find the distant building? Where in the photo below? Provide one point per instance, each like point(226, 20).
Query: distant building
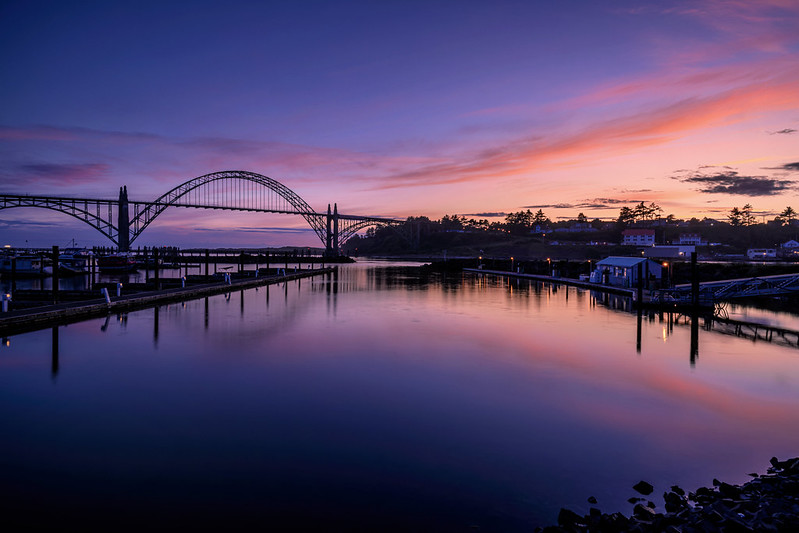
point(761, 253)
point(789, 250)
point(638, 237)
point(690, 239)
point(669, 252)
point(623, 271)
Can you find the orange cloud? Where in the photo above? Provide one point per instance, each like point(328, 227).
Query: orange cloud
point(610, 137)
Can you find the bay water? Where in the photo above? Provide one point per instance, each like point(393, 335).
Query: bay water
point(383, 398)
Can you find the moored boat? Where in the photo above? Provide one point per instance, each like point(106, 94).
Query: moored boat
point(73, 261)
point(119, 262)
point(25, 266)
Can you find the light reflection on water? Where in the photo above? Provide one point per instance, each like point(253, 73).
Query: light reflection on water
point(380, 399)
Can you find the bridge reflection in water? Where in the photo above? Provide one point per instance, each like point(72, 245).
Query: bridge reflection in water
point(356, 279)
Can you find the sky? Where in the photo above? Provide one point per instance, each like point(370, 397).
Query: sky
point(397, 109)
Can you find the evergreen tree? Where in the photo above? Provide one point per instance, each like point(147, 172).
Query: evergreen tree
point(735, 217)
point(787, 216)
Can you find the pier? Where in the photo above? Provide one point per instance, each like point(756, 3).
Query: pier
point(712, 320)
point(20, 321)
point(563, 281)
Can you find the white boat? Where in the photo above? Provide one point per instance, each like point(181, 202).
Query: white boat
point(73, 261)
point(25, 266)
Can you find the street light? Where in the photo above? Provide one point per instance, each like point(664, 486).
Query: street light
point(511, 264)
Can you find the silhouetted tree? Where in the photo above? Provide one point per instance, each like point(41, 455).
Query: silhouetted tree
point(747, 218)
point(787, 216)
point(540, 218)
point(626, 215)
point(735, 217)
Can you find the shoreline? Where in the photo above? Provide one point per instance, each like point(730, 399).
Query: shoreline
point(768, 502)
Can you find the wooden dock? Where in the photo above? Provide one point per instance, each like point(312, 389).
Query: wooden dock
point(562, 281)
point(23, 320)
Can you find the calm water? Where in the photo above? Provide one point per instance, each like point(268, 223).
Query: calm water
point(381, 400)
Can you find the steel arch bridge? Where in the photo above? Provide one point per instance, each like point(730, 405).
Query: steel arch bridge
point(233, 190)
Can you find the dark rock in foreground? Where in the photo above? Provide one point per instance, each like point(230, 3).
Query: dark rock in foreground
point(766, 503)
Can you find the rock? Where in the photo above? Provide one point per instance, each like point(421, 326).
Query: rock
point(730, 491)
point(642, 512)
point(570, 519)
point(644, 488)
point(767, 503)
point(674, 502)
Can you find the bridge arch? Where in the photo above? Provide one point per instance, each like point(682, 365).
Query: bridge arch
point(230, 190)
point(199, 192)
point(77, 208)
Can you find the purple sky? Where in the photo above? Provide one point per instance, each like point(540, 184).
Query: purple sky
point(398, 108)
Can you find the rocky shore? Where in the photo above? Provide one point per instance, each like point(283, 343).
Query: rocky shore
point(768, 502)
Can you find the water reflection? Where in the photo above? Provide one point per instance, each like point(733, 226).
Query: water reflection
point(375, 399)
point(54, 351)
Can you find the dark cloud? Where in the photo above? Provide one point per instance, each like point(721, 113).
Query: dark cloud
point(593, 203)
point(26, 224)
point(549, 206)
point(59, 174)
point(730, 182)
point(786, 131)
point(486, 215)
point(614, 201)
point(257, 230)
point(793, 167)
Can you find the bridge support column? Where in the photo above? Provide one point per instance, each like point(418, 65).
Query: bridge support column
point(335, 230)
point(123, 221)
point(331, 239)
point(329, 234)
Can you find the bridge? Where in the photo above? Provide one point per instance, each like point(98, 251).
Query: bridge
point(123, 220)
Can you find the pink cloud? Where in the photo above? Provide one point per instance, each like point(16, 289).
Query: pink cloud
point(609, 137)
point(49, 174)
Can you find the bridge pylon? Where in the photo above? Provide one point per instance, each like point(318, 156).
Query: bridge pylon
point(123, 221)
point(331, 240)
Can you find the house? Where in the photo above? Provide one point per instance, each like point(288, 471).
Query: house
point(638, 237)
point(761, 253)
point(623, 271)
point(577, 227)
point(789, 250)
point(690, 239)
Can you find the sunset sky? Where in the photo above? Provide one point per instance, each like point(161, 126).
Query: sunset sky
point(398, 108)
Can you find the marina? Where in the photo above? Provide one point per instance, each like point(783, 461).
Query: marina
point(444, 401)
